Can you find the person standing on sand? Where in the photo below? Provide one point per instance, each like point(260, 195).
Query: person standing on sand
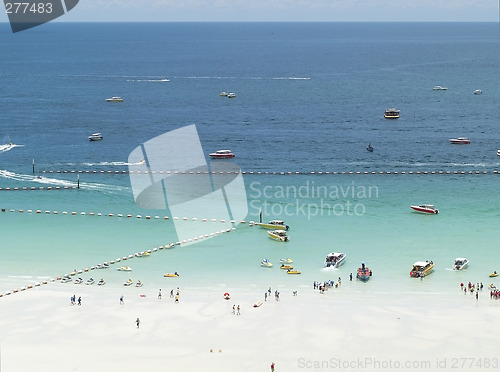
point(79, 301)
point(137, 321)
point(121, 300)
point(477, 295)
point(172, 293)
point(238, 310)
point(272, 367)
point(159, 294)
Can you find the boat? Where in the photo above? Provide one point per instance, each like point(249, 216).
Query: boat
point(391, 113)
point(266, 263)
point(478, 91)
point(114, 99)
point(231, 95)
point(223, 94)
point(102, 266)
point(335, 259)
point(78, 281)
point(273, 225)
point(460, 141)
point(124, 268)
point(460, 263)
point(128, 283)
point(138, 284)
point(101, 282)
point(425, 208)
point(286, 260)
point(143, 254)
point(439, 87)
point(494, 274)
point(90, 281)
point(170, 275)
point(421, 269)
point(226, 296)
point(286, 267)
point(222, 154)
point(498, 152)
point(66, 279)
point(290, 271)
point(363, 273)
point(369, 148)
point(257, 304)
point(95, 137)
point(279, 235)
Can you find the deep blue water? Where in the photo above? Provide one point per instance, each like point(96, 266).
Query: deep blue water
point(310, 96)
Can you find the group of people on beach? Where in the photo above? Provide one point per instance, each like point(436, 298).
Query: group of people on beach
point(74, 301)
point(323, 286)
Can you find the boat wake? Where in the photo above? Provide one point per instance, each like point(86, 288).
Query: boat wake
point(8, 147)
point(111, 163)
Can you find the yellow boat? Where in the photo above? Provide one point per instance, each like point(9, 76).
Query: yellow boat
point(169, 275)
point(421, 269)
point(391, 113)
point(494, 274)
point(286, 267)
point(292, 271)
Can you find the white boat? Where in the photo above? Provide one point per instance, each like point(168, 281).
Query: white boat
point(266, 263)
point(143, 254)
point(128, 283)
point(273, 225)
point(78, 281)
point(439, 87)
point(279, 235)
point(335, 259)
point(478, 91)
point(425, 208)
point(90, 281)
point(95, 137)
point(498, 152)
point(460, 263)
point(222, 154)
point(223, 94)
point(138, 284)
point(391, 113)
point(124, 268)
point(102, 266)
point(286, 261)
point(66, 279)
point(460, 141)
point(101, 282)
point(231, 95)
point(114, 99)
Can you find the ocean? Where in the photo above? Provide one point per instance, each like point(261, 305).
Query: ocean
point(309, 99)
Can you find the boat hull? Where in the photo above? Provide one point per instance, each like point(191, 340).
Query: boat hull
point(424, 210)
point(271, 226)
point(227, 156)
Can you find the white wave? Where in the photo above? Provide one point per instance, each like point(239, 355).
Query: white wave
point(8, 147)
point(114, 163)
point(291, 78)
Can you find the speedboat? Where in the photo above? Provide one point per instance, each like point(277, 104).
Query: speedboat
point(286, 260)
point(439, 87)
point(101, 282)
point(279, 235)
point(222, 154)
point(425, 208)
point(494, 274)
point(273, 225)
point(128, 283)
point(363, 273)
point(138, 284)
point(266, 263)
point(102, 266)
point(66, 279)
point(460, 263)
point(498, 152)
point(78, 281)
point(369, 148)
point(421, 269)
point(124, 268)
point(169, 275)
point(335, 259)
point(391, 113)
point(286, 267)
point(478, 91)
point(223, 94)
point(95, 137)
point(143, 254)
point(114, 99)
point(231, 95)
point(460, 141)
point(90, 281)
point(290, 271)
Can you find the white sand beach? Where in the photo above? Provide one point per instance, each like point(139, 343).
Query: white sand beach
point(41, 331)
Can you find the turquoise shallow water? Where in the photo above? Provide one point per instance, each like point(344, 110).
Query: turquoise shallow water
point(374, 225)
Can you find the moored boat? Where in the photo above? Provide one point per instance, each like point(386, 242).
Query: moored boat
point(169, 275)
point(286, 260)
point(478, 91)
point(460, 141)
point(439, 87)
point(222, 154)
point(139, 284)
point(335, 259)
point(364, 273)
point(266, 263)
point(114, 99)
point(90, 281)
point(231, 95)
point(494, 274)
point(421, 269)
point(101, 282)
point(286, 267)
point(460, 263)
point(279, 235)
point(95, 137)
point(391, 113)
point(425, 208)
point(273, 225)
point(124, 268)
point(498, 152)
point(292, 272)
point(128, 283)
